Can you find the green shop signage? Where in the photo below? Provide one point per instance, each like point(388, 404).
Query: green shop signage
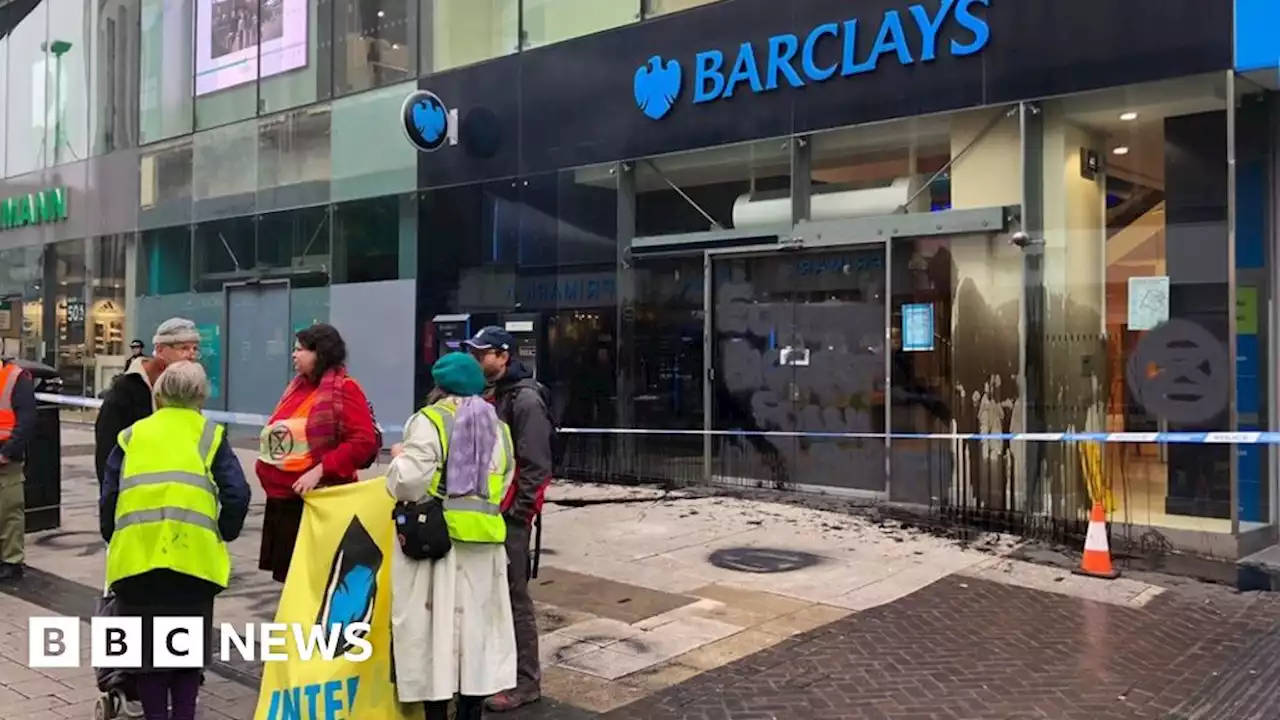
point(37, 208)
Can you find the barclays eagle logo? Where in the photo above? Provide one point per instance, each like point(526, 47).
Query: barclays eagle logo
point(352, 585)
point(426, 120)
point(656, 86)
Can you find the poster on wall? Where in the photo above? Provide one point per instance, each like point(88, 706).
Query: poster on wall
point(211, 356)
point(917, 327)
point(1148, 302)
point(238, 41)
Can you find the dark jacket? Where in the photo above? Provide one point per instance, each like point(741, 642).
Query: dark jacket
point(24, 410)
point(518, 401)
point(167, 586)
point(127, 401)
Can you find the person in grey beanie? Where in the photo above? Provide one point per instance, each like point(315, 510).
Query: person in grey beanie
point(129, 399)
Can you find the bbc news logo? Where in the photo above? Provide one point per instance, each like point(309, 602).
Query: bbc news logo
point(179, 642)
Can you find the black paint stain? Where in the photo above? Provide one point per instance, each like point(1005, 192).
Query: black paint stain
point(762, 561)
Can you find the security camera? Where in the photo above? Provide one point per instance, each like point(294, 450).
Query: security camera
point(1020, 239)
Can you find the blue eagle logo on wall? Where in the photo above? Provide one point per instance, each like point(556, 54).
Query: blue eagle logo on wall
point(352, 586)
point(657, 86)
point(426, 120)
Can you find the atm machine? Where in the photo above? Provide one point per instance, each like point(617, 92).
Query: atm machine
point(447, 333)
point(530, 333)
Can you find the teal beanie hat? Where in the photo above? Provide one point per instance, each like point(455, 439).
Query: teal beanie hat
point(457, 373)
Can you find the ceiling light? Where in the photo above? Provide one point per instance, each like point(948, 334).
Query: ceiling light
point(1129, 116)
point(1122, 150)
point(381, 14)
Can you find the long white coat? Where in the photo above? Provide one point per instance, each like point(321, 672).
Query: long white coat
point(451, 625)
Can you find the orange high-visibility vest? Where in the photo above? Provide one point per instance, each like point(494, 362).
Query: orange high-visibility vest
point(9, 374)
point(283, 442)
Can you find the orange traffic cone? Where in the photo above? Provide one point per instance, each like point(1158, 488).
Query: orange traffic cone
point(1097, 550)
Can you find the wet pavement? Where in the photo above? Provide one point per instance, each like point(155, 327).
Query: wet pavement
point(670, 607)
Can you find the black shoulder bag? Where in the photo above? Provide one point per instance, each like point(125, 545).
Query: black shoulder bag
point(421, 529)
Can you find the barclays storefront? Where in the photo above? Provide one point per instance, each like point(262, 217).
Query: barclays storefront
point(801, 245)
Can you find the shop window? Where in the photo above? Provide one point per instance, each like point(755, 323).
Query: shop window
point(28, 92)
point(367, 148)
point(113, 93)
point(735, 187)
point(164, 183)
point(21, 273)
point(368, 235)
point(164, 261)
point(373, 44)
point(225, 170)
point(297, 53)
point(925, 164)
point(224, 251)
point(295, 243)
point(654, 8)
point(107, 346)
point(166, 75)
point(1137, 275)
point(551, 21)
point(462, 32)
point(293, 159)
point(70, 322)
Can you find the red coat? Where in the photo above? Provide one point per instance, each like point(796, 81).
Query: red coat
point(356, 445)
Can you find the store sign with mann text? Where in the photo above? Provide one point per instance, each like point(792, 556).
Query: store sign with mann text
point(37, 208)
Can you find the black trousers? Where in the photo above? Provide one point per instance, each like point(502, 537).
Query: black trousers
point(528, 668)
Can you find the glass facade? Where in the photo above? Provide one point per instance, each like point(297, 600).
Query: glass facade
point(805, 292)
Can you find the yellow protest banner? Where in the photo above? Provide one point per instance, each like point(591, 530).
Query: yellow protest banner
point(340, 576)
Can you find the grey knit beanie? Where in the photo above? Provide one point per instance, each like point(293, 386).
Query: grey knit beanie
point(176, 331)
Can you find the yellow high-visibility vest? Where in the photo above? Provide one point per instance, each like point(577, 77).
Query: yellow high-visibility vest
point(167, 511)
point(471, 518)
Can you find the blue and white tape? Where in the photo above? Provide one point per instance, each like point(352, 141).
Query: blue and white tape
point(1158, 438)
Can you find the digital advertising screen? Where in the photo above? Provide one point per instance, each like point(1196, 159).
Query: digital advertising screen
point(238, 41)
point(917, 327)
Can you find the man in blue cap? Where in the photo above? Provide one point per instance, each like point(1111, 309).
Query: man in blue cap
point(520, 403)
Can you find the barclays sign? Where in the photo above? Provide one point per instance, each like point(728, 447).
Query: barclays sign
point(824, 52)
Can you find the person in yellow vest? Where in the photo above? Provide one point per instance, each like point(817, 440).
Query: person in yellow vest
point(17, 426)
point(451, 623)
point(174, 494)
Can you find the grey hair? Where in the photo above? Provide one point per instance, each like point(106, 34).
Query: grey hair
point(182, 385)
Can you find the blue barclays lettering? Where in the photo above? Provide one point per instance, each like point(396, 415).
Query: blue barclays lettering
point(315, 701)
point(711, 82)
point(838, 265)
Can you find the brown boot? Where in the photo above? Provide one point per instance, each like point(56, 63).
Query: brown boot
point(512, 699)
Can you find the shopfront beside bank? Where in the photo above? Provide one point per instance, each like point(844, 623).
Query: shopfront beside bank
point(817, 233)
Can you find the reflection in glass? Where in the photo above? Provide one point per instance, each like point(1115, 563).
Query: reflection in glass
point(367, 145)
point(164, 261)
point(225, 167)
point(297, 65)
point(166, 74)
point(373, 43)
point(552, 21)
point(738, 187)
point(113, 94)
point(28, 93)
point(293, 158)
point(367, 235)
point(66, 62)
point(654, 8)
point(462, 32)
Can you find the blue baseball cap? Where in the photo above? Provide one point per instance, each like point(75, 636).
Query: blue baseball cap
point(492, 338)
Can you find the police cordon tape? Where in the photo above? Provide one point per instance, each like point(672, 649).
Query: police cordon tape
point(1241, 437)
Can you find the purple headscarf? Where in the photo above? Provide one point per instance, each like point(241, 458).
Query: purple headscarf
point(475, 429)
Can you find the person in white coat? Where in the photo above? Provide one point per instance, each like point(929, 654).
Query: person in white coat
point(451, 623)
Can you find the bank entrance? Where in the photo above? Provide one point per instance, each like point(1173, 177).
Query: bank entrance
point(823, 342)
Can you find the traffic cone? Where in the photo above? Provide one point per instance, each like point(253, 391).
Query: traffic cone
point(1096, 561)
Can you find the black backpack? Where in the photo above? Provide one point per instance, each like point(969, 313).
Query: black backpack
point(377, 436)
point(557, 438)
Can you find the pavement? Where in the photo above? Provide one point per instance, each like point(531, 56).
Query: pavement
point(689, 605)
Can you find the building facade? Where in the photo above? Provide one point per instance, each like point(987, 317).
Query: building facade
point(791, 245)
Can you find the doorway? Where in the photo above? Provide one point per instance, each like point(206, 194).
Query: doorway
point(259, 345)
point(797, 360)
